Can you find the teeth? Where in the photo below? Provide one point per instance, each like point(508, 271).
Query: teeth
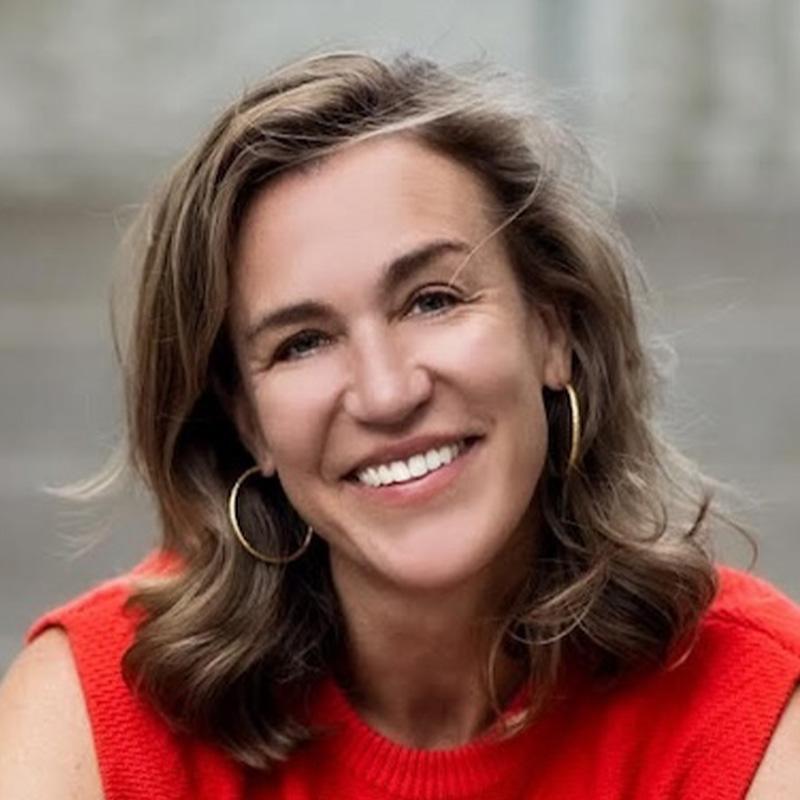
point(433, 460)
point(400, 471)
point(414, 467)
point(417, 466)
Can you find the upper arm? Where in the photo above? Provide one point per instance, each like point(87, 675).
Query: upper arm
point(46, 747)
point(778, 775)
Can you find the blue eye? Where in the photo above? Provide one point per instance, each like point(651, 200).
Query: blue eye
point(434, 302)
point(300, 346)
point(306, 343)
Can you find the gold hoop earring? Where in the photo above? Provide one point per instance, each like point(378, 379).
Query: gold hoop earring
point(232, 500)
point(574, 426)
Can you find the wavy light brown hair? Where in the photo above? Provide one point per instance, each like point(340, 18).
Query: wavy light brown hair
point(227, 644)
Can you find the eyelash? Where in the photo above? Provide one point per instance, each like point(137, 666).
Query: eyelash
point(283, 353)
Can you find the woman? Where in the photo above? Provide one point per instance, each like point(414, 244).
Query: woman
point(420, 536)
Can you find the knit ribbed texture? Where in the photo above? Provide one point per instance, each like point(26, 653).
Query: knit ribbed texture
point(697, 730)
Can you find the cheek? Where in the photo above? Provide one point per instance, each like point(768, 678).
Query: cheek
point(491, 360)
point(497, 368)
point(292, 410)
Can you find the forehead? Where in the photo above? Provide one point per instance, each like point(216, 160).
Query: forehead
point(360, 207)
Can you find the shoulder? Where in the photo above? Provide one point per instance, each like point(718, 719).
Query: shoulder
point(768, 624)
point(69, 684)
point(750, 635)
point(754, 606)
point(778, 774)
point(748, 652)
point(714, 710)
point(46, 747)
point(58, 696)
point(100, 625)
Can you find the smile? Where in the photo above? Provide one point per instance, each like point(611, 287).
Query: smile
point(416, 466)
point(413, 490)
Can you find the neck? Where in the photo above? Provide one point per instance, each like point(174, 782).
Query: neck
point(417, 661)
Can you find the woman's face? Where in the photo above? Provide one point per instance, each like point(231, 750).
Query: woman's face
point(378, 342)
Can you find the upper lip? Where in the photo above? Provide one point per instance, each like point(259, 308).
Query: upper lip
point(399, 451)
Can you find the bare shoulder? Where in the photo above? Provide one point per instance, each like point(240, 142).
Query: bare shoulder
point(778, 776)
point(46, 747)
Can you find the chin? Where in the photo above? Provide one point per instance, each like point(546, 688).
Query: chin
point(442, 566)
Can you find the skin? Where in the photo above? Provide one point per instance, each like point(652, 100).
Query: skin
point(46, 748)
point(417, 583)
point(410, 579)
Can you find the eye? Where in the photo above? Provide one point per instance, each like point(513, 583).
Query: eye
point(302, 345)
point(434, 301)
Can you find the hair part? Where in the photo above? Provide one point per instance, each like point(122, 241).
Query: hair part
point(228, 645)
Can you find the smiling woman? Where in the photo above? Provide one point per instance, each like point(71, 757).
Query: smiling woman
point(382, 379)
point(420, 535)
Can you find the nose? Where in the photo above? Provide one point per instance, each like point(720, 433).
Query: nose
point(386, 386)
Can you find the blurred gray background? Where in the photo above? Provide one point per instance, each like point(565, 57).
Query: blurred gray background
point(693, 106)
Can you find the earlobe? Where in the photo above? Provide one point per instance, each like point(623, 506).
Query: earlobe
point(557, 368)
point(265, 461)
point(557, 358)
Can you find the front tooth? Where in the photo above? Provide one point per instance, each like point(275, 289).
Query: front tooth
point(385, 474)
point(400, 471)
point(417, 466)
point(433, 460)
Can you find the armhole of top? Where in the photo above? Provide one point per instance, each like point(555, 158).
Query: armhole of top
point(55, 715)
point(139, 754)
point(753, 691)
point(62, 619)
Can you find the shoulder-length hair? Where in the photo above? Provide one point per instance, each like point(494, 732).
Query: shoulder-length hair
point(227, 644)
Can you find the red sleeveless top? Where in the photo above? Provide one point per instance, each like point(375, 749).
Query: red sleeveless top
point(697, 730)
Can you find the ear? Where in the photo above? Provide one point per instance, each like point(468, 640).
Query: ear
point(246, 421)
point(556, 349)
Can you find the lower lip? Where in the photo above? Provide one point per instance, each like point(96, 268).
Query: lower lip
point(421, 489)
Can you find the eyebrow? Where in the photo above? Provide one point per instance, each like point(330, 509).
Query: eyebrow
point(393, 275)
